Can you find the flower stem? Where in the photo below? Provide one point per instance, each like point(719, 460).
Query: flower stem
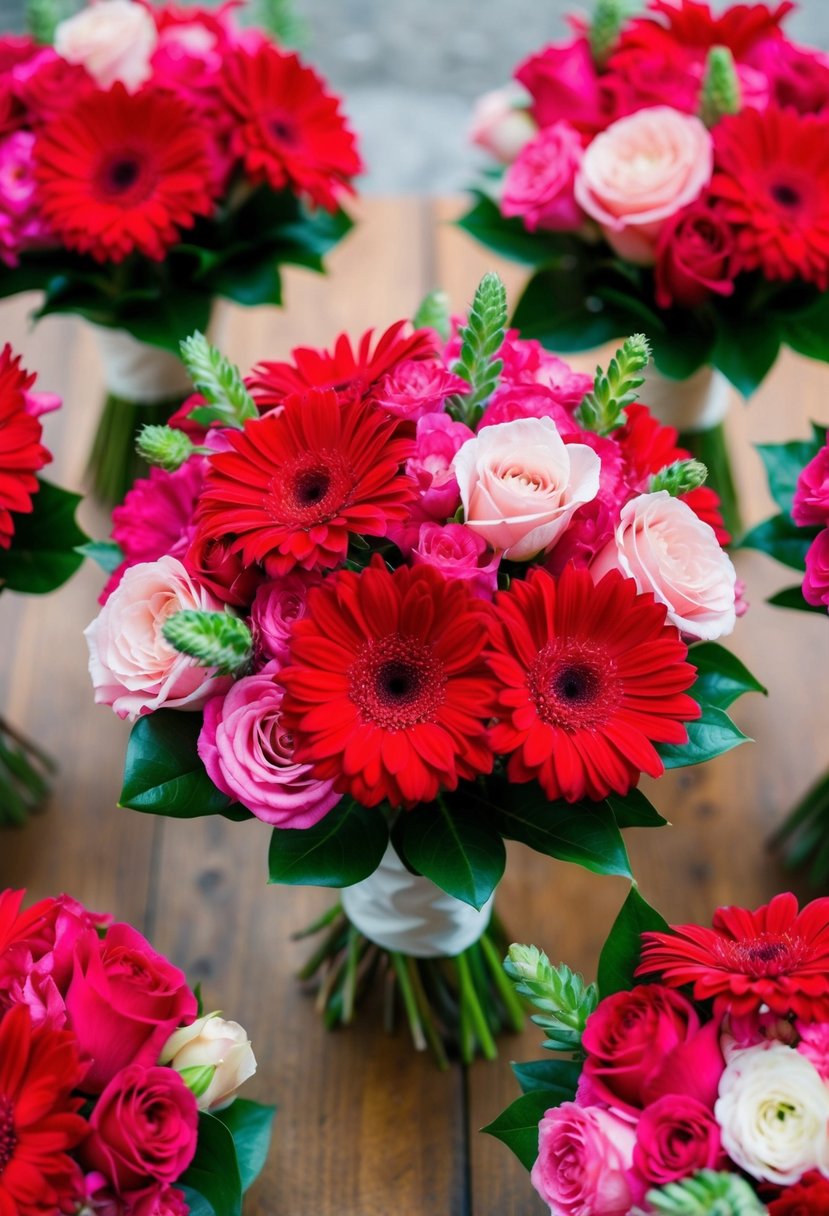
point(357, 946)
point(429, 1027)
point(512, 1004)
point(477, 1017)
point(332, 941)
point(409, 1000)
point(322, 922)
point(114, 463)
point(711, 448)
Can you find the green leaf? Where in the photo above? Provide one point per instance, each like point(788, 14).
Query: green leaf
point(620, 954)
point(343, 848)
point(565, 311)
point(633, 810)
point(456, 848)
point(585, 832)
point(163, 774)
point(551, 1077)
point(252, 277)
point(44, 553)
point(481, 338)
point(711, 735)
point(214, 1171)
point(107, 554)
point(782, 540)
point(792, 597)
point(509, 237)
point(517, 1126)
point(784, 463)
point(434, 312)
point(177, 312)
point(720, 86)
point(806, 330)
point(721, 677)
point(250, 1124)
point(746, 349)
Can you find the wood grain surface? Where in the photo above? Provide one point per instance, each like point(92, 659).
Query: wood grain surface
point(366, 1127)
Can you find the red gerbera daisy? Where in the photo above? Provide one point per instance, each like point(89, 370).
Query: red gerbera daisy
point(771, 175)
point(591, 678)
point(289, 131)
point(21, 452)
point(38, 1120)
point(299, 481)
point(387, 694)
point(17, 926)
point(351, 373)
point(123, 171)
point(775, 956)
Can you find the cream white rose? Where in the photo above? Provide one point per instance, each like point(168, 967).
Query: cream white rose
point(668, 550)
point(773, 1111)
point(212, 1042)
point(113, 39)
point(520, 484)
point(501, 123)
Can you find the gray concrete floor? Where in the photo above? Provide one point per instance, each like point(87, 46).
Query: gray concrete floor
point(410, 70)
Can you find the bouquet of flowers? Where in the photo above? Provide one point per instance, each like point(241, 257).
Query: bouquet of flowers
point(693, 1079)
point(153, 159)
point(416, 595)
point(117, 1094)
point(668, 172)
point(798, 536)
point(38, 552)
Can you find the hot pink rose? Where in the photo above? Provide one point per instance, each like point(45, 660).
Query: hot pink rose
point(133, 668)
point(459, 553)
point(693, 257)
point(144, 1127)
point(113, 39)
point(810, 506)
point(249, 755)
point(276, 605)
point(797, 76)
point(564, 84)
point(669, 551)
point(675, 1137)
point(639, 173)
point(814, 1045)
point(161, 1200)
point(21, 226)
point(500, 123)
point(439, 438)
point(816, 578)
point(584, 1158)
point(527, 401)
point(520, 485)
point(538, 186)
point(417, 387)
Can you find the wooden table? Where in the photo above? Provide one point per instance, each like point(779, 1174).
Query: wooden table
point(366, 1127)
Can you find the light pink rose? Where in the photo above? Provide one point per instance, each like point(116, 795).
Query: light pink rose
point(639, 173)
point(520, 485)
point(276, 605)
point(458, 552)
point(212, 1042)
point(538, 186)
point(113, 39)
point(417, 387)
point(668, 550)
point(249, 755)
point(501, 124)
point(584, 1155)
point(133, 668)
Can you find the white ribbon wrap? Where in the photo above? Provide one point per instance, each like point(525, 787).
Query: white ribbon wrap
point(139, 372)
point(695, 404)
point(407, 913)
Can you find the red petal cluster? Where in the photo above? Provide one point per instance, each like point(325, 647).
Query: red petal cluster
point(21, 452)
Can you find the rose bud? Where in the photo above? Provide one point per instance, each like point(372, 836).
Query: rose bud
point(214, 1058)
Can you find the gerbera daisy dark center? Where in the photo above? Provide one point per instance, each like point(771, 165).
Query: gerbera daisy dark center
point(786, 195)
point(283, 130)
point(8, 1136)
point(397, 682)
point(573, 684)
point(768, 954)
point(125, 178)
point(310, 491)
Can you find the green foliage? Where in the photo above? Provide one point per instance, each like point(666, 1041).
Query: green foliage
point(793, 597)
point(214, 639)
point(557, 1078)
point(279, 18)
point(706, 1193)
point(721, 677)
point(214, 1172)
point(605, 27)
point(164, 447)
point(220, 383)
point(107, 554)
point(197, 1078)
point(781, 539)
point(564, 999)
point(679, 478)
point(633, 810)
point(250, 1124)
point(434, 313)
point(517, 1126)
point(784, 462)
point(709, 736)
point(458, 850)
point(602, 410)
point(805, 833)
point(620, 954)
point(44, 551)
point(26, 774)
point(720, 87)
point(481, 339)
point(343, 848)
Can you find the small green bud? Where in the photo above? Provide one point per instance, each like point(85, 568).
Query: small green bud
point(198, 1078)
point(679, 478)
point(522, 962)
point(434, 313)
point(164, 447)
point(215, 639)
point(720, 87)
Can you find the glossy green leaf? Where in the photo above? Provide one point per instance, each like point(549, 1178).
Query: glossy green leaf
point(620, 954)
point(782, 540)
point(250, 1124)
point(792, 597)
point(721, 677)
point(746, 349)
point(517, 1126)
point(163, 774)
point(105, 553)
point(552, 1077)
point(784, 462)
point(214, 1171)
point(508, 236)
point(711, 735)
point(457, 849)
point(806, 330)
point(585, 832)
point(633, 810)
point(343, 848)
point(556, 309)
point(44, 549)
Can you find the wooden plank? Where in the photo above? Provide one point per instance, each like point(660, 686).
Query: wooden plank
point(723, 813)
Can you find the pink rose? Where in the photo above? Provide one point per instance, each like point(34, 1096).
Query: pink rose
point(814, 1045)
point(113, 39)
point(693, 257)
point(520, 484)
point(675, 1137)
point(584, 1156)
point(669, 551)
point(500, 123)
point(564, 83)
point(816, 578)
point(276, 605)
point(639, 173)
point(124, 1001)
point(133, 668)
point(538, 186)
point(416, 387)
point(810, 506)
point(144, 1127)
point(797, 76)
point(439, 439)
point(458, 553)
point(161, 1200)
point(249, 755)
point(527, 401)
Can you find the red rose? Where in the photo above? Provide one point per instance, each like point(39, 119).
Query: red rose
point(216, 567)
point(675, 1137)
point(693, 257)
point(124, 1001)
point(643, 1044)
point(809, 1197)
point(144, 1128)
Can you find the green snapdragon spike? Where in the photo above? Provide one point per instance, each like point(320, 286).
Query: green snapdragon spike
point(214, 639)
point(433, 313)
point(720, 87)
point(606, 26)
point(563, 997)
point(279, 18)
point(481, 339)
point(707, 1193)
point(679, 478)
point(603, 408)
point(219, 381)
point(164, 447)
point(42, 17)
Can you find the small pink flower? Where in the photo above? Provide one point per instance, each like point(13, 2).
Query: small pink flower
point(527, 401)
point(527, 362)
point(538, 186)
point(159, 1200)
point(500, 123)
point(458, 553)
point(816, 579)
point(810, 507)
point(21, 226)
point(276, 606)
point(584, 1159)
point(438, 440)
point(417, 387)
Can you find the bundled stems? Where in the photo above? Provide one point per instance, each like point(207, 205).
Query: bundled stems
point(114, 463)
point(25, 776)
